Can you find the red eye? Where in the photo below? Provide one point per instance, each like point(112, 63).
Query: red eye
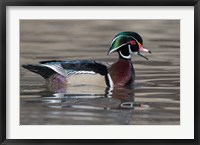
point(132, 42)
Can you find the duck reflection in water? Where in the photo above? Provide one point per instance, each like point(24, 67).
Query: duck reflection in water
point(97, 96)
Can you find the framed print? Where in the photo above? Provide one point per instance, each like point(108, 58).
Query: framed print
point(78, 72)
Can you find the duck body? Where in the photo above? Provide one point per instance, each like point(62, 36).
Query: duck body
point(81, 72)
point(85, 72)
point(71, 72)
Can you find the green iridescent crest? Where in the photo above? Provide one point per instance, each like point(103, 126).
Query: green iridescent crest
point(132, 34)
point(123, 38)
point(118, 42)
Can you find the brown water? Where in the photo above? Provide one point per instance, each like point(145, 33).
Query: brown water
point(154, 100)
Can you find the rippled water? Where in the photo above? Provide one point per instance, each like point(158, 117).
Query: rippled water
point(154, 100)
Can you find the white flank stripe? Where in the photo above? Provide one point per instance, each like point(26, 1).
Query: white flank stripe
point(72, 72)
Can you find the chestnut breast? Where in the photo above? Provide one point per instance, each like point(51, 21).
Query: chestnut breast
point(122, 73)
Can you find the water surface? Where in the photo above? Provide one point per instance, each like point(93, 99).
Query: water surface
point(154, 99)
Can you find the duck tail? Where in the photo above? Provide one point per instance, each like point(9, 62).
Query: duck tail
point(44, 71)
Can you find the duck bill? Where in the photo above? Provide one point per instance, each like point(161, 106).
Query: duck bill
point(142, 49)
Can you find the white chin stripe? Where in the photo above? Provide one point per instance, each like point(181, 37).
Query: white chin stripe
point(126, 57)
point(135, 53)
point(129, 47)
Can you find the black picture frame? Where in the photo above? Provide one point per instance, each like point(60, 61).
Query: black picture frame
point(5, 3)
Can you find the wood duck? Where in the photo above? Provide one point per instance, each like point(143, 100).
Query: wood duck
point(80, 72)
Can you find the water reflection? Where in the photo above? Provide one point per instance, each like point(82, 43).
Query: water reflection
point(100, 108)
point(88, 96)
point(154, 100)
point(108, 106)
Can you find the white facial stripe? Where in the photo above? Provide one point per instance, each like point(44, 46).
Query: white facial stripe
point(116, 38)
point(129, 48)
point(117, 47)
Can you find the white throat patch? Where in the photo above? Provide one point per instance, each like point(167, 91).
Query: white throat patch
point(129, 56)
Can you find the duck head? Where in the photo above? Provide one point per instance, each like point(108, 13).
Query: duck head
point(126, 44)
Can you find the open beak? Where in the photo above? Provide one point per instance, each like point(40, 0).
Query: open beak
point(142, 49)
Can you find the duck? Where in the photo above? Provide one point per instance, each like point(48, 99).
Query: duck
point(90, 72)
